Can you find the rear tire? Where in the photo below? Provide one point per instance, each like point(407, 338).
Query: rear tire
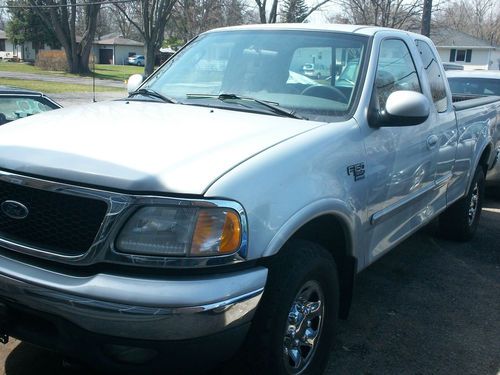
point(293, 329)
point(459, 222)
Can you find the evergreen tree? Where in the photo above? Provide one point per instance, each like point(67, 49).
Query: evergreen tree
point(26, 26)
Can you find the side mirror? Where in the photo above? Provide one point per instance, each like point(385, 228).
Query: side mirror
point(134, 82)
point(403, 108)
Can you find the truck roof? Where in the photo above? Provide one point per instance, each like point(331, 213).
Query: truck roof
point(356, 29)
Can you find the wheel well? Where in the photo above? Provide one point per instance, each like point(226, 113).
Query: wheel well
point(329, 232)
point(483, 161)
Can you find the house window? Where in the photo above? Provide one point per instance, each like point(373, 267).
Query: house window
point(2, 44)
point(463, 55)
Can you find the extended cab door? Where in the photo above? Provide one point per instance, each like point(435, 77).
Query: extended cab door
point(401, 160)
point(442, 117)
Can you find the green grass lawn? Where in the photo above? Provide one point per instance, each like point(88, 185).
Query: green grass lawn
point(113, 72)
point(116, 72)
point(53, 87)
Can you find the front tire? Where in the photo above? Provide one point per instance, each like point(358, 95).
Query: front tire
point(293, 329)
point(459, 222)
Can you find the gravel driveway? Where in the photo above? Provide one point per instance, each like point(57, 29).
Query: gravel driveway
point(430, 306)
point(69, 99)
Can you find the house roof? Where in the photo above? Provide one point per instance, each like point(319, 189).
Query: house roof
point(119, 41)
point(445, 37)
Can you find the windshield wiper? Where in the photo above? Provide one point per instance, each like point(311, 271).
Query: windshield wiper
point(274, 107)
point(154, 94)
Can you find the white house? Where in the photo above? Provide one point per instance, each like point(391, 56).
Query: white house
point(116, 50)
point(464, 49)
point(111, 49)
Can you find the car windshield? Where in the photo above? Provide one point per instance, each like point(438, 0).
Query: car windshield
point(475, 86)
point(293, 70)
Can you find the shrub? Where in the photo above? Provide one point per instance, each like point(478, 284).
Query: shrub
point(51, 60)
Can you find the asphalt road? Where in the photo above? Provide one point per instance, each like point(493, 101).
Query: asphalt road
point(430, 306)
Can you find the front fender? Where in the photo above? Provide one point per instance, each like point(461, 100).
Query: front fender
point(326, 206)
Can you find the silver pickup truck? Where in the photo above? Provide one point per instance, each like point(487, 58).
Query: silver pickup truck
point(228, 203)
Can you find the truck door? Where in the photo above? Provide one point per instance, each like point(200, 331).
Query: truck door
point(401, 162)
point(444, 125)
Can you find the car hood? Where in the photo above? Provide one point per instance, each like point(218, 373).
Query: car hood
point(141, 146)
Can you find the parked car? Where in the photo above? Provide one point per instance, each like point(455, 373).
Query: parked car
point(16, 103)
point(468, 84)
point(136, 60)
point(206, 213)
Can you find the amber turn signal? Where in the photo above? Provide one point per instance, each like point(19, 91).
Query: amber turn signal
point(217, 232)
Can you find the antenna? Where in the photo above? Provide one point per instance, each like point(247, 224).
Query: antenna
point(93, 78)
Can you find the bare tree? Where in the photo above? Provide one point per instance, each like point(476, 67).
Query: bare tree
point(272, 16)
point(480, 18)
point(154, 15)
point(63, 21)
point(121, 23)
point(192, 17)
point(397, 14)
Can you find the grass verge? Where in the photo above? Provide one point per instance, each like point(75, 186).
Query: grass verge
point(53, 87)
point(102, 71)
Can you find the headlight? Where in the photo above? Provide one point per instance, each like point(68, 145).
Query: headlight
point(181, 231)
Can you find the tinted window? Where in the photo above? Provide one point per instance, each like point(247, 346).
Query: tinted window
point(395, 70)
point(436, 80)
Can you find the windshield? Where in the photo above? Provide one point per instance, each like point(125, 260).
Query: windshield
point(13, 108)
point(294, 70)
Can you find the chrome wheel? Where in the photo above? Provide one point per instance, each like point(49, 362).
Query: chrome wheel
point(303, 328)
point(473, 205)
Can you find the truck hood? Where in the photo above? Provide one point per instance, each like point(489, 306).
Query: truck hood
point(140, 146)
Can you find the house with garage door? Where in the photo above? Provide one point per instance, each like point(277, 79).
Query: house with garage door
point(116, 49)
point(26, 52)
point(464, 49)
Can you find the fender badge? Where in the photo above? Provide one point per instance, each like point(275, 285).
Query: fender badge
point(356, 170)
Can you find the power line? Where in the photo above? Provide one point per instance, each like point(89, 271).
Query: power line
point(47, 6)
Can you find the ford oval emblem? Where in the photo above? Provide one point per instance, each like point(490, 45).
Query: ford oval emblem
point(14, 210)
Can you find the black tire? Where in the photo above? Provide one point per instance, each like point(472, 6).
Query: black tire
point(459, 222)
point(306, 269)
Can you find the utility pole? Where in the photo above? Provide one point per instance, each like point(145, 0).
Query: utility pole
point(426, 18)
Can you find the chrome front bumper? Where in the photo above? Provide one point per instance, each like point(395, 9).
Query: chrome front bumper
point(137, 308)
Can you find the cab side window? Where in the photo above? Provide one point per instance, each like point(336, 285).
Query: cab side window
point(395, 70)
point(436, 80)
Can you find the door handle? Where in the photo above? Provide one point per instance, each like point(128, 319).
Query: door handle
point(432, 141)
